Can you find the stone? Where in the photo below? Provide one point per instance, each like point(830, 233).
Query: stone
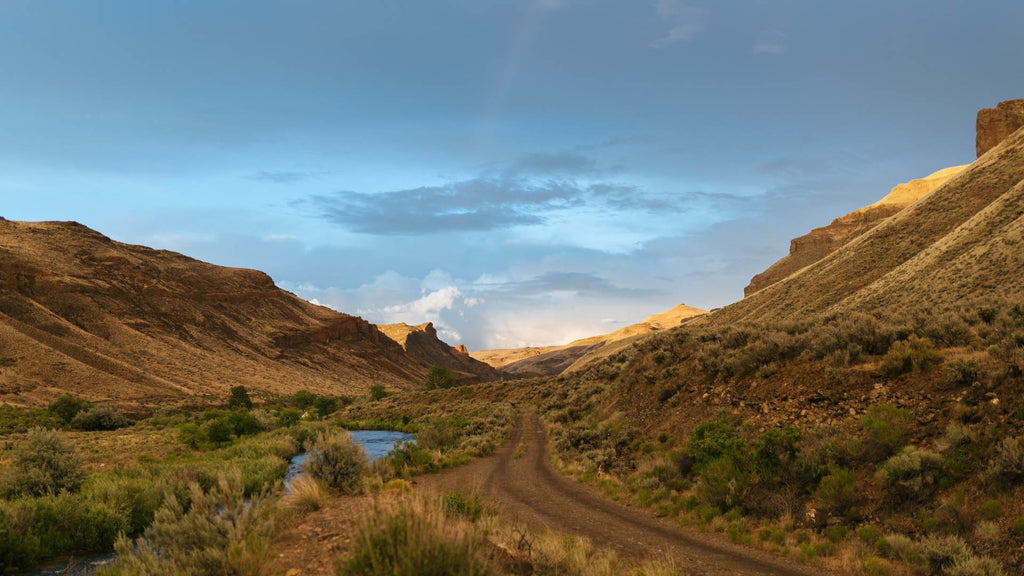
point(995, 124)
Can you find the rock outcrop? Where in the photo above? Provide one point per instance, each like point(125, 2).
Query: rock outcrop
point(821, 242)
point(421, 342)
point(995, 124)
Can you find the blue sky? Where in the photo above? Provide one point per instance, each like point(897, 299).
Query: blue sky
point(518, 172)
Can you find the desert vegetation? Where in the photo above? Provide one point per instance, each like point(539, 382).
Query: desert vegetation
point(858, 443)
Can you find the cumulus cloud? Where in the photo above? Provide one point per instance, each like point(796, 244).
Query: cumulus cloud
point(687, 22)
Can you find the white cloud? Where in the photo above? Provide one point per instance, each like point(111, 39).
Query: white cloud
point(687, 22)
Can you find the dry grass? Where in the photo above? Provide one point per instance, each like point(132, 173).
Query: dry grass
point(306, 494)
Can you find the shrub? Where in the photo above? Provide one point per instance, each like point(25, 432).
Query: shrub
point(325, 406)
point(437, 434)
point(911, 476)
point(965, 372)
point(43, 463)
point(304, 494)
point(440, 377)
point(215, 532)
point(1007, 464)
point(218, 431)
point(837, 492)
point(191, 435)
point(456, 504)
point(99, 418)
point(35, 529)
point(414, 538)
point(377, 392)
point(67, 407)
point(887, 428)
point(337, 461)
point(991, 509)
point(713, 440)
point(909, 355)
point(722, 483)
point(303, 399)
point(244, 423)
point(239, 398)
point(288, 417)
point(974, 566)
point(894, 546)
point(135, 497)
point(942, 552)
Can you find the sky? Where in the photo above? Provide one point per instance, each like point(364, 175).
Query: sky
point(516, 172)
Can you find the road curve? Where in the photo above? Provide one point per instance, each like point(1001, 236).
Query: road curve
point(543, 499)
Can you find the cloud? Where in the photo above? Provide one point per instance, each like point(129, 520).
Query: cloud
point(528, 192)
point(687, 22)
point(284, 177)
point(576, 283)
point(770, 41)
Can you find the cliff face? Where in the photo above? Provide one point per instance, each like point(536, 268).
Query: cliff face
point(108, 321)
point(821, 242)
point(995, 124)
point(421, 342)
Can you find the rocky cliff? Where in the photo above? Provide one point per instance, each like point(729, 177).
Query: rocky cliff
point(995, 124)
point(421, 342)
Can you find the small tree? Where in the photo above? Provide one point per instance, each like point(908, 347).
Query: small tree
point(338, 461)
point(239, 398)
point(325, 406)
point(440, 377)
point(377, 392)
point(303, 399)
point(67, 407)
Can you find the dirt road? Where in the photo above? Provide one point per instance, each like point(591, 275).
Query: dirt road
point(541, 498)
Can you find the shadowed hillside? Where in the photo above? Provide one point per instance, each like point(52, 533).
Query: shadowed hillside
point(81, 313)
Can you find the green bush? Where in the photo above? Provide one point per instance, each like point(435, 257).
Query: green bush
point(99, 418)
point(713, 440)
point(437, 434)
point(67, 407)
point(908, 355)
point(325, 406)
point(244, 423)
point(218, 531)
point(456, 504)
point(288, 417)
point(134, 496)
point(303, 399)
point(377, 392)
point(886, 429)
point(911, 476)
point(218, 431)
point(722, 483)
point(43, 462)
point(36, 529)
point(965, 372)
point(239, 398)
point(337, 461)
point(837, 492)
point(440, 377)
point(942, 552)
point(411, 539)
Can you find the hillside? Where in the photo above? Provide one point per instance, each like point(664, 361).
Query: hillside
point(961, 241)
point(552, 360)
point(104, 320)
point(421, 342)
point(821, 242)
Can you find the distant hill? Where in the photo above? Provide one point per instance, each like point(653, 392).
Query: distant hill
point(108, 321)
point(551, 360)
point(421, 342)
point(964, 240)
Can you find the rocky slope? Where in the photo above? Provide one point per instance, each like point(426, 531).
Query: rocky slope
point(108, 321)
point(421, 342)
point(552, 360)
point(961, 241)
point(821, 242)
